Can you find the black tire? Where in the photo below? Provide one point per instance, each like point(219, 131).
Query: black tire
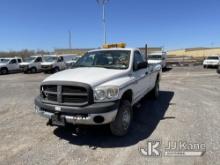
point(121, 125)
point(156, 91)
point(56, 69)
point(204, 66)
point(33, 70)
point(4, 71)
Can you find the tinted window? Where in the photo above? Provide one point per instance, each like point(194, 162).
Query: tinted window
point(19, 60)
point(13, 61)
point(39, 59)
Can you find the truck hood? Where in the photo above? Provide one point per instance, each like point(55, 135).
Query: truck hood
point(88, 75)
point(2, 64)
point(154, 61)
point(25, 63)
point(47, 63)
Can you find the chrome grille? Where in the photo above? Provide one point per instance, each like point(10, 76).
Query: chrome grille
point(67, 94)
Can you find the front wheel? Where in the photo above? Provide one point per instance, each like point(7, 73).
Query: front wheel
point(56, 69)
point(4, 71)
point(33, 70)
point(120, 126)
point(156, 91)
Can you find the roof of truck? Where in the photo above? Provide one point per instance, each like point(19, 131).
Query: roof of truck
point(109, 49)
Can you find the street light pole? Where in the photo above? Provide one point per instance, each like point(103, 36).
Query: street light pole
point(103, 3)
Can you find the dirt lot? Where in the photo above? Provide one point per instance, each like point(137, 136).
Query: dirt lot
point(188, 110)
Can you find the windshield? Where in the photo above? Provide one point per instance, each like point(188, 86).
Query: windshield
point(155, 57)
point(29, 59)
point(113, 59)
point(49, 58)
point(212, 58)
point(4, 60)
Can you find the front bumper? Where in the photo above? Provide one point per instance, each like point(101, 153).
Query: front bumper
point(24, 68)
point(46, 68)
point(87, 115)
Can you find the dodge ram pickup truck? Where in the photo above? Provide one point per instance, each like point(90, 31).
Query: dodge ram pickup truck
point(101, 89)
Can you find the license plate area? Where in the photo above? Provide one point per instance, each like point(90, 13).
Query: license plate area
point(58, 120)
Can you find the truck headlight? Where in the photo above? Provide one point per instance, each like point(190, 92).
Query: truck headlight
point(106, 93)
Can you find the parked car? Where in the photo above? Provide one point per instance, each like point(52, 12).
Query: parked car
point(53, 63)
point(102, 89)
point(70, 59)
point(31, 64)
point(8, 65)
point(158, 58)
point(211, 61)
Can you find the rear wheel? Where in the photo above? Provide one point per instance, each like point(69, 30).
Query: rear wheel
point(56, 69)
point(120, 126)
point(4, 71)
point(33, 70)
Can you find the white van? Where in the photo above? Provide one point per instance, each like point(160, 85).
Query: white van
point(53, 63)
point(211, 61)
point(31, 64)
point(158, 58)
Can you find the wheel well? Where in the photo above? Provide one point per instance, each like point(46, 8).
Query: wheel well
point(4, 68)
point(127, 95)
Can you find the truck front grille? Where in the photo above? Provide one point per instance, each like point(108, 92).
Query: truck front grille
point(78, 94)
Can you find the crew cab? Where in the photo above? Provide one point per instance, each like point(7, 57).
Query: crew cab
point(31, 64)
point(158, 58)
point(211, 61)
point(102, 89)
point(53, 63)
point(8, 65)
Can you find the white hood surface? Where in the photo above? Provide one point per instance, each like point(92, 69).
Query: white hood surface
point(2, 64)
point(25, 63)
point(89, 75)
point(47, 63)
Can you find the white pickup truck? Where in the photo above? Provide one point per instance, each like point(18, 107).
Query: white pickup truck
point(8, 65)
point(31, 64)
point(53, 63)
point(101, 89)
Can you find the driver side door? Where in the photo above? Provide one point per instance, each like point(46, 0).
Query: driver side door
point(142, 80)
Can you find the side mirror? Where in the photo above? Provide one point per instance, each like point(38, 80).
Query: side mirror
point(142, 65)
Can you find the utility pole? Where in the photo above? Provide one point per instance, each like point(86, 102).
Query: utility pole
point(103, 3)
point(70, 39)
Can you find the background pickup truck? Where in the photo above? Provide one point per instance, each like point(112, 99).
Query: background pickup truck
point(31, 64)
point(8, 65)
point(101, 89)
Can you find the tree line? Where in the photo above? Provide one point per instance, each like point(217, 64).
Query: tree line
point(23, 53)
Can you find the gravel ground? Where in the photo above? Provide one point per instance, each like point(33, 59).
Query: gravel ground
point(188, 110)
